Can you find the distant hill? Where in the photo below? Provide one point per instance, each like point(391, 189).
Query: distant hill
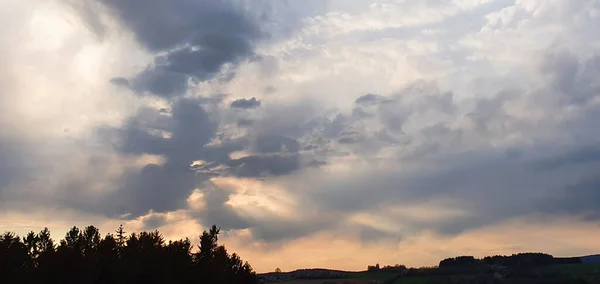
point(591, 259)
point(524, 267)
point(316, 273)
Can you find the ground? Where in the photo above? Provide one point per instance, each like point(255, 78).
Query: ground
point(330, 281)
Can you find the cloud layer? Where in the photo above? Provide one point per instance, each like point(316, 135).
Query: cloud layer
point(374, 122)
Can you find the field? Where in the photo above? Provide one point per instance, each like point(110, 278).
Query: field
point(589, 272)
point(331, 281)
point(568, 272)
point(353, 278)
point(417, 280)
point(371, 276)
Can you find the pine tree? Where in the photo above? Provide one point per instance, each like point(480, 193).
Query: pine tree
point(31, 241)
point(121, 239)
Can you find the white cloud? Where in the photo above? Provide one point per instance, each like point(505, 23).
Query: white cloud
point(513, 35)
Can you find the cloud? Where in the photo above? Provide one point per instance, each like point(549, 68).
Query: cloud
point(274, 144)
point(444, 135)
point(120, 81)
point(371, 99)
point(245, 122)
point(222, 205)
point(182, 136)
point(161, 81)
point(89, 11)
point(196, 38)
point(579, 199)
point(245, 104)
point(258, 166)
point(179, 137)
point(573, 79)
point(472, 160)
point(15, 167)
point(367, 99)
point(154, 221)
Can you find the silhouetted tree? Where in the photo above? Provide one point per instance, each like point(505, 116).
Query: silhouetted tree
point(83, 256)
point(108, 261)
point(217, 266)
point(121, 238)
point(13, 258)
point(31, 242)
point(47, 257)
point(45, 242)
point(180, 262)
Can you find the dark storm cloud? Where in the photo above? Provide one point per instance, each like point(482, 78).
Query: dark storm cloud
point(197, 39)
point(158, 188)
point(137, 137)
point(193, 128)
point(246, 104)
point(265, 165)
point(180, 137)
point(275, 143)
point(160, 81)
point(163, 25)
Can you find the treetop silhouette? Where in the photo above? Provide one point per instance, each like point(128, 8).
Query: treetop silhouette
point(84, 256)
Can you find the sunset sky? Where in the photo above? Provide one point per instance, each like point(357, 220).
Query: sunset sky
point(315, 133)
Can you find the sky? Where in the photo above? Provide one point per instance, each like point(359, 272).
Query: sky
point(315, 133)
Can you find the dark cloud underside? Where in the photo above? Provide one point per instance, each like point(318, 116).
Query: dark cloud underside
point(198, 38)
point(245, 103)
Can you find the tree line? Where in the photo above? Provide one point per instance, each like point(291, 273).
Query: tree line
point(84, 256)
point(520, 259)
point(387, 269)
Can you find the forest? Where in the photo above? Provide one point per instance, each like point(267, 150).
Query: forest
point(85, 256)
